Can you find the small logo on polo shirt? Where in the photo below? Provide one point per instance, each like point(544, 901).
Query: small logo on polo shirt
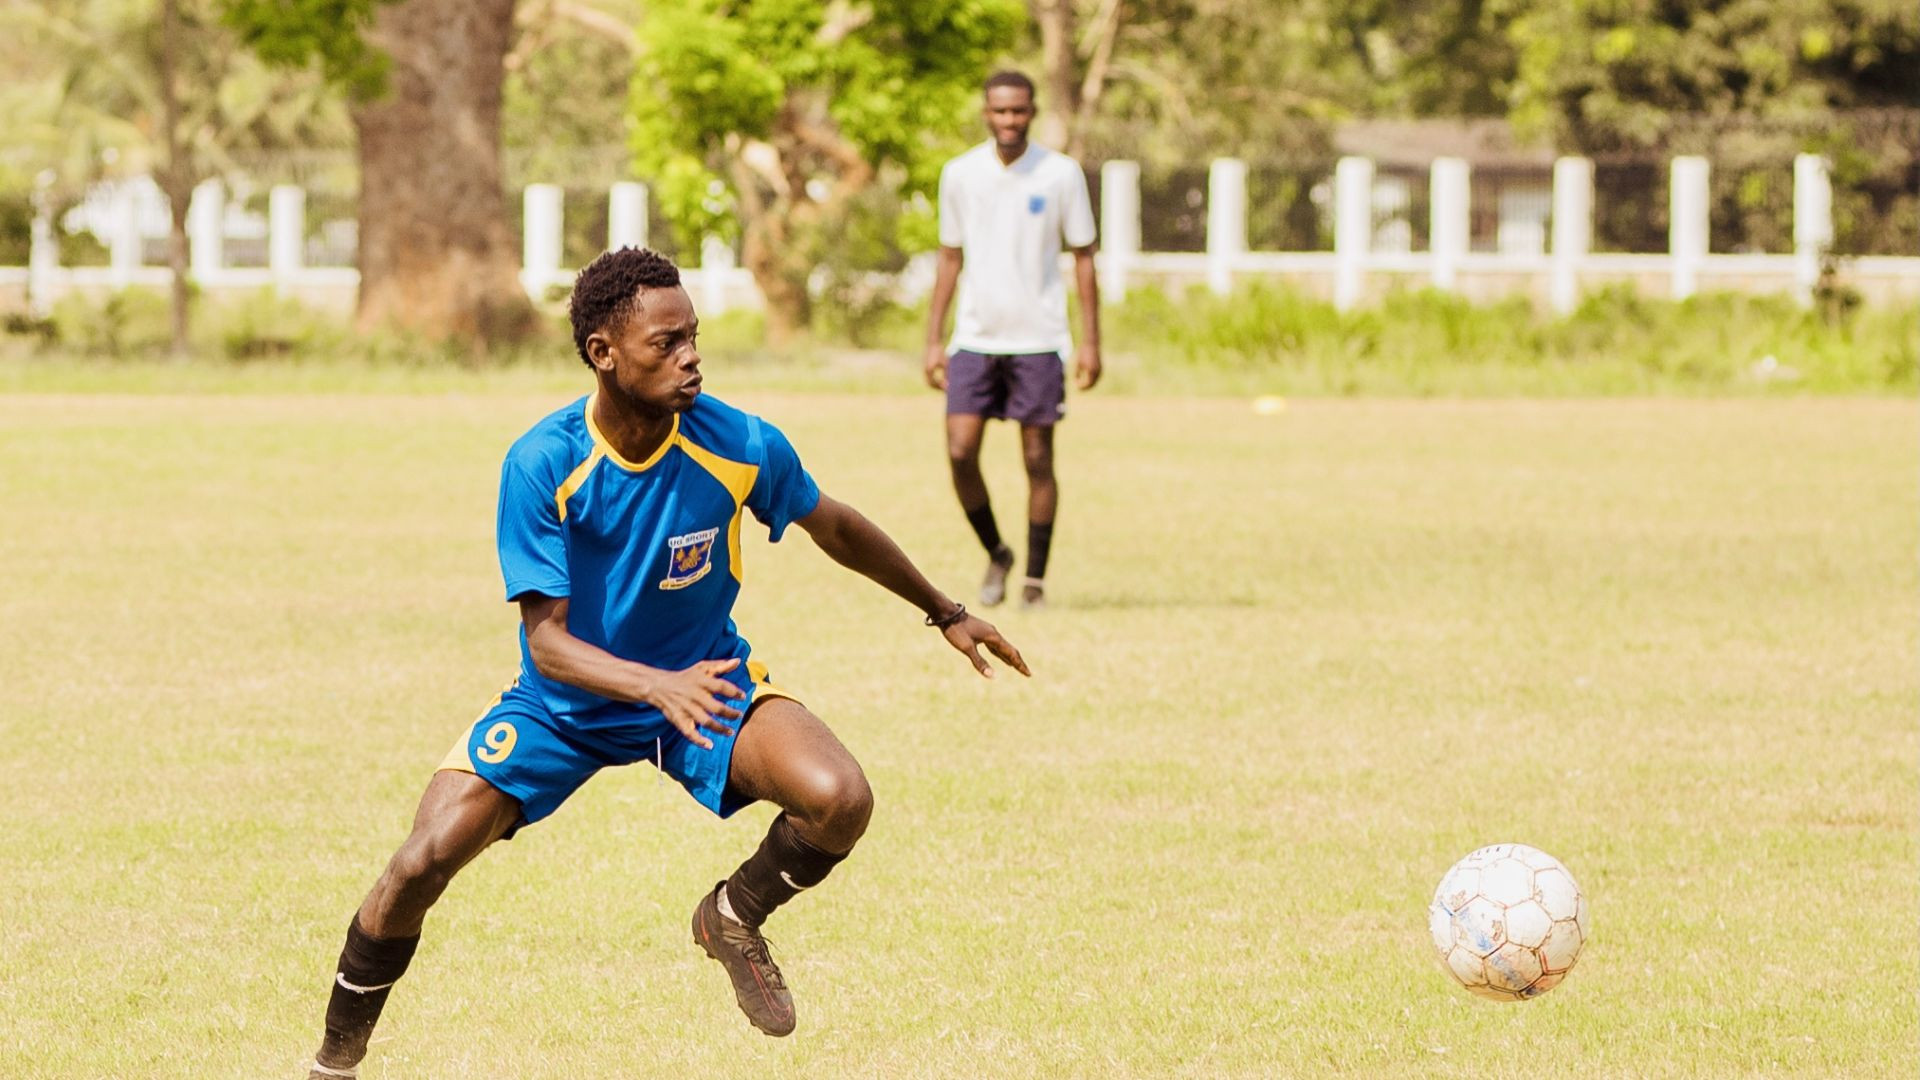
point(1036, 203)
point(689, 558)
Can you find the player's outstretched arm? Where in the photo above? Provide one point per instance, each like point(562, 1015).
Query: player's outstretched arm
point(690, 700)
point(851, 540)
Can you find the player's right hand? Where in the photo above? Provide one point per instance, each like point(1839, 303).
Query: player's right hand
point(936, 366)
point(696, 698)
point(970, 633)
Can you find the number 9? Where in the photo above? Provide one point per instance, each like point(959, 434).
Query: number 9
point(499, 743)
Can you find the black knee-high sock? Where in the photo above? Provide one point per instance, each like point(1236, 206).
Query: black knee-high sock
point(1039, 540)
point(369, 966)
point(985, 527)
point(776, 873)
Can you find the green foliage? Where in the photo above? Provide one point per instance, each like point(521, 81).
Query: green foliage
point(265, 325)
point(863, 254)
point(1603, 74)
point(766, 117)
point(329, 32)
point(108, 115)
point(564, 107)
point(132, 325)
point(1277, 339)
point(125, 324)
point(1263, 339)
point(713, 74)
point(1264, 79)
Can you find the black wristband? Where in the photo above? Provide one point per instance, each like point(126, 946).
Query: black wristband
point(959, 612)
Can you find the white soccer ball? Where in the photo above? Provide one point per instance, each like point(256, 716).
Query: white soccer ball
point(1509, 922)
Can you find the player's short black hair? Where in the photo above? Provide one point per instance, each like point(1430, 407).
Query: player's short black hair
point(1008, 78)
point(604, 292)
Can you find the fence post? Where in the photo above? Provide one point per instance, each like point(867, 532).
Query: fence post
point(1119, 225)
point(539, 237)
point(1812, 223)
point(1687, 226)
point(1226, 221)
point(627, 215)
point(1352, 228)
point(716, 265)
point(206, 231)
point(43, 251)
point(125, 240)
point(1572, 228)
point(1449, 225)
point(286, 233)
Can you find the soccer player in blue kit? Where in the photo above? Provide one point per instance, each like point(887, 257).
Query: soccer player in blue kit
point(619, 537)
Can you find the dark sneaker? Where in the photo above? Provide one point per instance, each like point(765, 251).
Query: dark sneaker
point(993, 587)
point(743, 952)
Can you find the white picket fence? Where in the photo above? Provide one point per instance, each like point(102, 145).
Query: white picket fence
point(1557, 271)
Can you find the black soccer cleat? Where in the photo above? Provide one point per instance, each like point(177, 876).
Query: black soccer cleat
point(757, 982)
point(993, 587)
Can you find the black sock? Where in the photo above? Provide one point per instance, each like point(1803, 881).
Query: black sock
point(1039, 539)
point(369, 966)
point(776, 873)
point(985, 528)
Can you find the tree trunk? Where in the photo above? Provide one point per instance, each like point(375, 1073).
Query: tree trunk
point(1105, 33)
point(1073, 95)
point(781, 276)
point(175, 176)
point(177, 203)
point(436, 253)
point(1059, 72)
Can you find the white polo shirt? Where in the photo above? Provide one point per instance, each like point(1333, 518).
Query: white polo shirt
point(1009, 222)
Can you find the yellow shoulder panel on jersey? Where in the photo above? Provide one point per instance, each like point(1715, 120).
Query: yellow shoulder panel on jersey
point(737, 477)
point(575, 478)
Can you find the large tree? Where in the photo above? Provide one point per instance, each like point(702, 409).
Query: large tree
point(437, 253)
point(777, 114)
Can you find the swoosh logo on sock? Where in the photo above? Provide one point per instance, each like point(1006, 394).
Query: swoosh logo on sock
point(792, 883)
point(341, 978)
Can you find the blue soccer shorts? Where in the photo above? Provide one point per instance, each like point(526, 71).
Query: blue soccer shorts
point(520, 747)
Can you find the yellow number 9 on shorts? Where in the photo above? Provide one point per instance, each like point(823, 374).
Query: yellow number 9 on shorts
point(497, 743)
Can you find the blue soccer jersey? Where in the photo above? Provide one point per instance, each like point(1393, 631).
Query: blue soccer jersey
point(647, 553)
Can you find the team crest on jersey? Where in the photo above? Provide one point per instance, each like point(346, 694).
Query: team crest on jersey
point(1036, 203)
point(689, 558)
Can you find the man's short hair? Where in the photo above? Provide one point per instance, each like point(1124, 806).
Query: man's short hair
point(604, 293)
point(1008, 78)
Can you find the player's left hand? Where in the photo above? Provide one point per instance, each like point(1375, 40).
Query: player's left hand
point(970, 633)
point(1086, 366)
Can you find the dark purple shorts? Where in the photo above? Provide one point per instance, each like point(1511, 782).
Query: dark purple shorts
point(1028, 387)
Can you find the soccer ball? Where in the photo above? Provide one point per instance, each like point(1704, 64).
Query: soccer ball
point(1508, 921)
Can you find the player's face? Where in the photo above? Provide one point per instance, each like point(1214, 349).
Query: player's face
point(1009, 113)
point(653, 361)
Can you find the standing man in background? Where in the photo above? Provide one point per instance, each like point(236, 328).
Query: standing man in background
point(1006, 208)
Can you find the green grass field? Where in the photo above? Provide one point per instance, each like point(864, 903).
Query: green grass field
point(1296, 666)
